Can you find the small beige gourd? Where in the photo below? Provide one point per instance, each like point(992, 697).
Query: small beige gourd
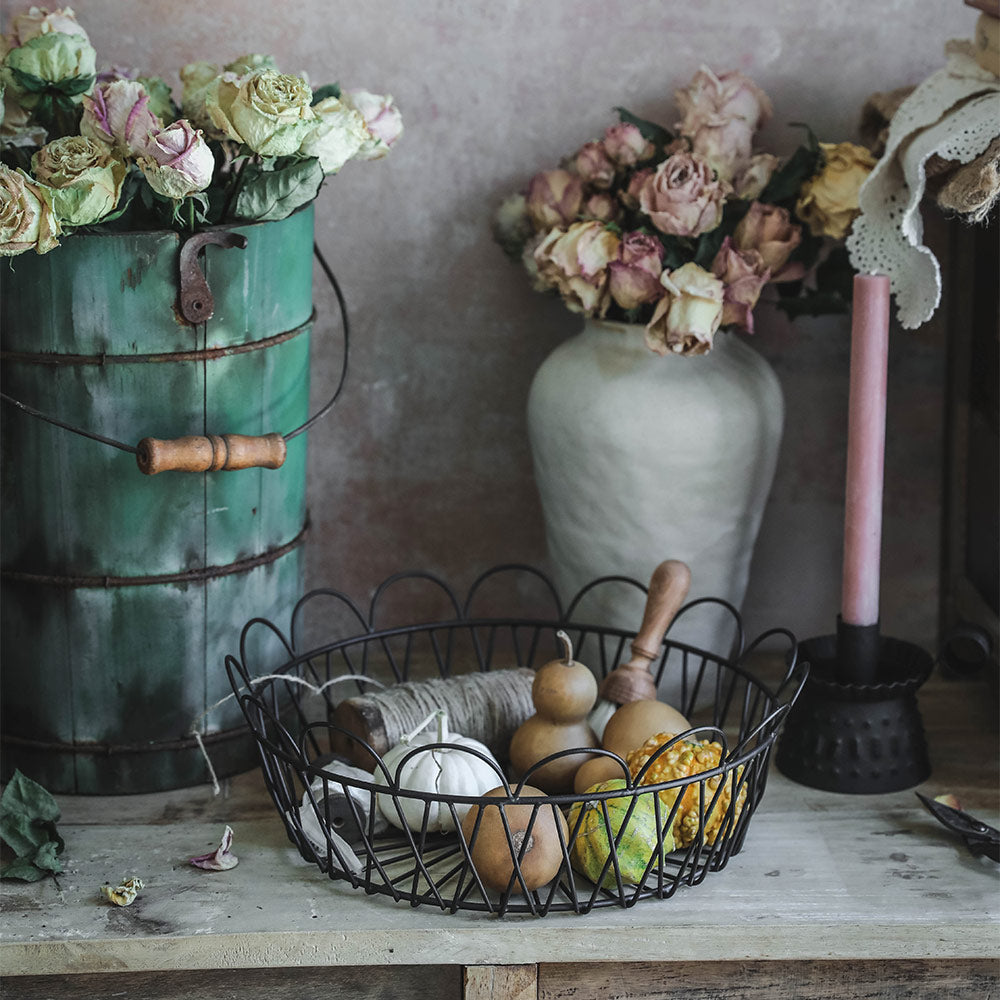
point(563, 692)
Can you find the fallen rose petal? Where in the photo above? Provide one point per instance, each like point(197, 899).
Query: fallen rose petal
point(221, 859)
point(949, 800)
point(124, 894)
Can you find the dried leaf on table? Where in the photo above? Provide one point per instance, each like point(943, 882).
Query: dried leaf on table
point(28, 815)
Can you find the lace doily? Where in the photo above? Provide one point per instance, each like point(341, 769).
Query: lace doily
point(954, 113)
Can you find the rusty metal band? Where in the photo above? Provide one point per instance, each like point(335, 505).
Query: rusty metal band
point(188, 576)
point(209, 354)
point(110, 749)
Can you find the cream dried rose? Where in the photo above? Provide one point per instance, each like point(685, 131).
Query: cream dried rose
point(85, 178)
point(40, 21)
point(27, 221)
point(511, 227)
point(750, 181)
point(267, 111)
point(828, 202)
point(338, 135)
point(686, 319)
point(197, 79)
point(53, 59)
point(575, 263)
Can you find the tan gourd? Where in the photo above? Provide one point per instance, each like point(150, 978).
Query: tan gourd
point(563, 692)
point(529, 833)
point(596, 771)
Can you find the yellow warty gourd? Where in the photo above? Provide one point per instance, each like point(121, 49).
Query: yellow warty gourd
point(683, 759)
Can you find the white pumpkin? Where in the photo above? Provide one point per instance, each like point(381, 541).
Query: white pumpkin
point(442, 771)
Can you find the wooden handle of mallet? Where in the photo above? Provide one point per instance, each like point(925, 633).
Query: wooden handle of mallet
point(210, 453)
point(632, 681)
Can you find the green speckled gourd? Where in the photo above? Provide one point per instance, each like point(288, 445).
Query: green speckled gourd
point(638, 843)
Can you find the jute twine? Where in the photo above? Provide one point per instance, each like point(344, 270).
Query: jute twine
point(484, 706)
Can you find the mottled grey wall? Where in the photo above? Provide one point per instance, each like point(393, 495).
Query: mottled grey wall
point(424, 462)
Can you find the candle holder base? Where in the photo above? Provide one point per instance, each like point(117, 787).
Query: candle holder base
point(857, 738)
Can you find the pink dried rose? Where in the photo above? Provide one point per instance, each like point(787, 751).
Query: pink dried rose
point(601, 206)
point(383, 120)
point(769, 230)
point(634, 275)
point(626, 145)
point(575, 263)
point(682, 197)
point(554, 198)
point(118, 114)
point(689, 314)
point(222, 858)
point(593, 165)
point(629, 194)
point(744, 274)
point(720, 115)
point(179, 163)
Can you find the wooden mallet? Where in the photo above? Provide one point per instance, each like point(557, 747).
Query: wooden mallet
point(633, 681)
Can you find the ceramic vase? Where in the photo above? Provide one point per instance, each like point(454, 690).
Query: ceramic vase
point(640, 458)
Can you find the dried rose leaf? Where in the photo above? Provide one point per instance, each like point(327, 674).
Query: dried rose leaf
point(221, 859)
point(124, 894)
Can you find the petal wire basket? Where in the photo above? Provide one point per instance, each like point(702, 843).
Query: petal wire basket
point(289, 708)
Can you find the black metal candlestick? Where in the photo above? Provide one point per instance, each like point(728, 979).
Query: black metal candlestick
point(856, 726)
point(845, 735)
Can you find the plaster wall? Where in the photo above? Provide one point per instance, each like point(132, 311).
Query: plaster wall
point(424, 461)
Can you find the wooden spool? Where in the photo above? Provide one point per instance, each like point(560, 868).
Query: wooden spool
point(507, 693)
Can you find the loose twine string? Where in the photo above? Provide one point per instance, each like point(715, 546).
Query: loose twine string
point(484, 706)
point(292, 679)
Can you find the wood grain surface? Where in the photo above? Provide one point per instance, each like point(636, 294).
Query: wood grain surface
point(869, 980)
point(832, 896)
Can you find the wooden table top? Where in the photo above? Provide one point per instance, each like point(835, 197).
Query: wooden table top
point(821, 876)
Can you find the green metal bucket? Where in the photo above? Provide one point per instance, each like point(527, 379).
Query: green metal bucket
point(123, 592)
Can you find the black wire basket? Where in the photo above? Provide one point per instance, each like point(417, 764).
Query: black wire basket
point(686, 826)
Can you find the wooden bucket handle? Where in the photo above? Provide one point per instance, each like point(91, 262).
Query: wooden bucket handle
point(210, 453)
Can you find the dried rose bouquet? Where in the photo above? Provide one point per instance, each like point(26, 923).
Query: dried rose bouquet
point(683, 232)
point(83, 149)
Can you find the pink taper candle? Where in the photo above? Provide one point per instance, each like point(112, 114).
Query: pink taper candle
point(865, 449)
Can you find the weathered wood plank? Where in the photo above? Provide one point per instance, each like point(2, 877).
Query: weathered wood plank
point(402, 982)
point(842, 980)
point(500, 982)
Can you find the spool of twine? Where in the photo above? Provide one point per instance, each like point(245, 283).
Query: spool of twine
point(483, 706)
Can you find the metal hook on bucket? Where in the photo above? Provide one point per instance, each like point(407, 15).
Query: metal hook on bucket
point(197, 304)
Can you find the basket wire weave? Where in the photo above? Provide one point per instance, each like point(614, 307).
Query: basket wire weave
point(295, 738)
